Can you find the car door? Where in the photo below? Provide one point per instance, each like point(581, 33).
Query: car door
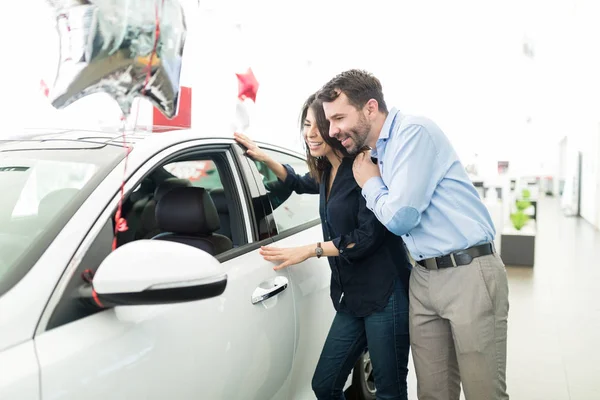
point(297, 223)
point(20, 373)
point(236, 346)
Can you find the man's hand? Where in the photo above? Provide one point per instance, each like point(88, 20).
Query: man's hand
point(364, 169)
point(287, 256)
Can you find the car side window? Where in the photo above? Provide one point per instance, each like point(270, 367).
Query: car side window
point(207, 171)
point(210, 170)
point(293, 210)
point(200, 173)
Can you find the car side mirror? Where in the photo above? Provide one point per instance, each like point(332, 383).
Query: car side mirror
point(147, 272)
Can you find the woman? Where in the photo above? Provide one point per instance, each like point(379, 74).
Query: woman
point(370, 267)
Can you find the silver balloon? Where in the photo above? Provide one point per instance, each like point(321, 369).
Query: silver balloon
point(125, 48)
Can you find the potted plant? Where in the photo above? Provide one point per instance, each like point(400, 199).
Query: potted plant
point(518, 244)
point(519, 218)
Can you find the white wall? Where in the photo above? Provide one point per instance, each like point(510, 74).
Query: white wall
point(577, 62)
point(590, 179)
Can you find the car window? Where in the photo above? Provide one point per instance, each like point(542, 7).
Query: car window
point(216, 175)
point(48, 176)
point(200, 173)
point(41, 191)
point(203, 170)
point(292, 210)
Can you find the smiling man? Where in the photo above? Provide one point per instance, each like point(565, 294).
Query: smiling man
point(420, 190)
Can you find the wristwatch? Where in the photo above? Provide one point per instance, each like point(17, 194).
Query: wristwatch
point(319, 250)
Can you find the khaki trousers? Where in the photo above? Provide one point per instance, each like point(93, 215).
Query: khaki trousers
point(458, 324)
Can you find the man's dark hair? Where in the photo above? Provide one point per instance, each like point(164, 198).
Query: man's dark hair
point(358, 85)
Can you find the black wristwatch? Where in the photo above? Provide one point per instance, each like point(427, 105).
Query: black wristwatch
point(319, 250)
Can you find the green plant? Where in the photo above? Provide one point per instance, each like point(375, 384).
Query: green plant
point(519, 219)
point(522, 205)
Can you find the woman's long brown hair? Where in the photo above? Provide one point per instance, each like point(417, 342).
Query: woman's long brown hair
point(317, 165)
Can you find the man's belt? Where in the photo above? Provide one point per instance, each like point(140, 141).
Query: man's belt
point(461, 257)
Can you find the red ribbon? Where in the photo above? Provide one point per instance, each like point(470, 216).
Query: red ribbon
point(44, 88)
point(156, 36)
point(120, 222)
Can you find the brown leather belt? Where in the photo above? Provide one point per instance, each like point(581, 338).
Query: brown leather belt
point(461, 257)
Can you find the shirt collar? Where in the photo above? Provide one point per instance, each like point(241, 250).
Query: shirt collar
point(387, 126)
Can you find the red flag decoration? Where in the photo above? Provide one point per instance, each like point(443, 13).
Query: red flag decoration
point(247, 85)
point(183, 119)
point(247, 89)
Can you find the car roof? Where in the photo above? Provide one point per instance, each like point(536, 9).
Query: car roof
point(139, 140)
point(83, 138)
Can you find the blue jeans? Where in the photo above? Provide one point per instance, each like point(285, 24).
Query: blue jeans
point(384, 333)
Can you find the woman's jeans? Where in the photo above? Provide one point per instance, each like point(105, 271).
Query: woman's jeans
point(384, 334)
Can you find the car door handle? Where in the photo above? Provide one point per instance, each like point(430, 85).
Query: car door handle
point(269, 288)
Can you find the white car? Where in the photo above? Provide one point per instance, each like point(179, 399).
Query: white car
point(185, 307)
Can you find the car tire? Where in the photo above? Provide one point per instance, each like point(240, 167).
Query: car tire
point(363, 382)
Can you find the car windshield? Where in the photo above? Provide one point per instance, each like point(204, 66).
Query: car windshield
point(41, 190)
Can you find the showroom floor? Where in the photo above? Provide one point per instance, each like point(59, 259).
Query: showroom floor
point(554, 318)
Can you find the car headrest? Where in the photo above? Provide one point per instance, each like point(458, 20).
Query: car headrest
point(167, 185)
point(187, 210)
point(146, 188)
point(218, 196)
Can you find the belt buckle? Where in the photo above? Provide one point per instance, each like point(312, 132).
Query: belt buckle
point(444, 262)
point(431, 263)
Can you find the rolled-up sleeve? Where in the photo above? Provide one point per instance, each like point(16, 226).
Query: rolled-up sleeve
point(365, 239)
point(414, 171)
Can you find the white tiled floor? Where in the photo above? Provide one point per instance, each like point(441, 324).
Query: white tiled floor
point(554, 318)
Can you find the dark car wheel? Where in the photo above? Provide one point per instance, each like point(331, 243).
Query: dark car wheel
point(363, 382)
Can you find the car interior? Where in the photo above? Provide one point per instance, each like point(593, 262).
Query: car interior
point(170, 207)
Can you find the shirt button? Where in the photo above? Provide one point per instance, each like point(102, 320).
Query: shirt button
point(381, 162)
point(341, 251)
point(407, 235)
point(420, 255)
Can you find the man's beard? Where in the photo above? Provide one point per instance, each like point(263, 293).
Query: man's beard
point(359, 135)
